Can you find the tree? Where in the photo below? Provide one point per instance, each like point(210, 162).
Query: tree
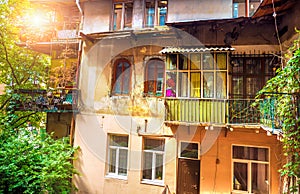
point(34, 162)
point(19, 67)
point(283, 90)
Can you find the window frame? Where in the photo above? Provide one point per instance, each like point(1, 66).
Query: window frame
point(154, 153)
point(189, 142)
point(176, 70)
point(117, 148)
point(242, 75)
point(115, 77)
point(156, 21)
point(123, 14)
point(155, 62)
point(249, 163)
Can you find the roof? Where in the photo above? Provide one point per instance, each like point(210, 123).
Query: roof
point(194, 49)
point(267, 7)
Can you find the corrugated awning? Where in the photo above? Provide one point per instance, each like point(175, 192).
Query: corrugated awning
point(194, 49)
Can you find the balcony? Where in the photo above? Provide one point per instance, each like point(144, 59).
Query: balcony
point(57, 100)
point(227, 111)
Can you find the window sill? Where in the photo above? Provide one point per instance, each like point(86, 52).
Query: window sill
point(113, 176)
point(153, 182)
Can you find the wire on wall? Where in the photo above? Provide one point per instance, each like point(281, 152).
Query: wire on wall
point(277, 33)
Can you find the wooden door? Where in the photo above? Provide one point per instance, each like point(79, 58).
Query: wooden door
point(188, 176)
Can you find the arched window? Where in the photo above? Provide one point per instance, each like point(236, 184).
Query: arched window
point(154, 78)
point(121, 77)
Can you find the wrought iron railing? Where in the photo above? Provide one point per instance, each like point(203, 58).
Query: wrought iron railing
point(56, 100)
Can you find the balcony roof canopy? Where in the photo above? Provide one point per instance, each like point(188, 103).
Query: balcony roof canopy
point(194, 49)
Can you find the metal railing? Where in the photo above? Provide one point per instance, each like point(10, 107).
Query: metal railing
point(56, 100)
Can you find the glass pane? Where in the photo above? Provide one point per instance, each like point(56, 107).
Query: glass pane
point(237, 85)
point(240, 174)
point(208, 85)
point(126, 81)
point(128, 15)
point(159, 166)
point(189, 150)
point(237, 65)
point(154, 76)
point(260, 178)
point(112, 160)
point(162, 12)
point(121, 141)
point(195, 61)
point(150, 13)
point(183, 85)
point(221, 85)
point(253, 66)
point(195, 85)
point(252, 86)
point(182, 62)
point(172, 62)
point(253, 5)
point(239, 8)
point(171, 84)
point(251, 153)
point(154, 144)
point(221, 61)
point(117, 16)
point(122, 170)
point(147, 166)
point(208, 61)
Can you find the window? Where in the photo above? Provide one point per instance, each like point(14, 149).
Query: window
point(117, 156)
point(153, 160)
point(196, 75)
point(189, 150)
point(154, 76)
point(250, 73)
point(244, 8)
point(155, 13)
point(121, 77)
point(250, 169)
point(122, 15)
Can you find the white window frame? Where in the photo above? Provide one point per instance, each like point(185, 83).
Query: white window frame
point(154, 153)
point(249, 170)
point(117, 148)
point(190, 142)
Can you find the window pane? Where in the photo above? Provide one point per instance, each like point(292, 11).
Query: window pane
point(128, 15)
point(260, 179)
point(253, 5)
point(252, 86)
point(172, 62)
point(118, 140)
point(150, 13)
point(239, 8)
point(208, 61)
point(237, 84)
point(221, 61)
point(253, 66)
point(195, 85)
point(154, 144)
point(183, 85)
point(147, 167)
point(208, 82)
point(237, 65)
point(195, 61)
point(221, 85)
point(159, 166)
point(240, 174)
point(182, 62)
point(117, 16)
point(171, 84)
point(251, 153)
point(189, 150)
point(162, 12)
point(122, 170)
point(154, 75)
point(112, 160)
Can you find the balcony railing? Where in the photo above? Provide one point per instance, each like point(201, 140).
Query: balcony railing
point(196, 110)
point(228, 111)
point(58, 100)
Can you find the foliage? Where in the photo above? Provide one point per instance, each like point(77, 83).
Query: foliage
point(19, 67)
point(35, 163)
point(285, 89)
